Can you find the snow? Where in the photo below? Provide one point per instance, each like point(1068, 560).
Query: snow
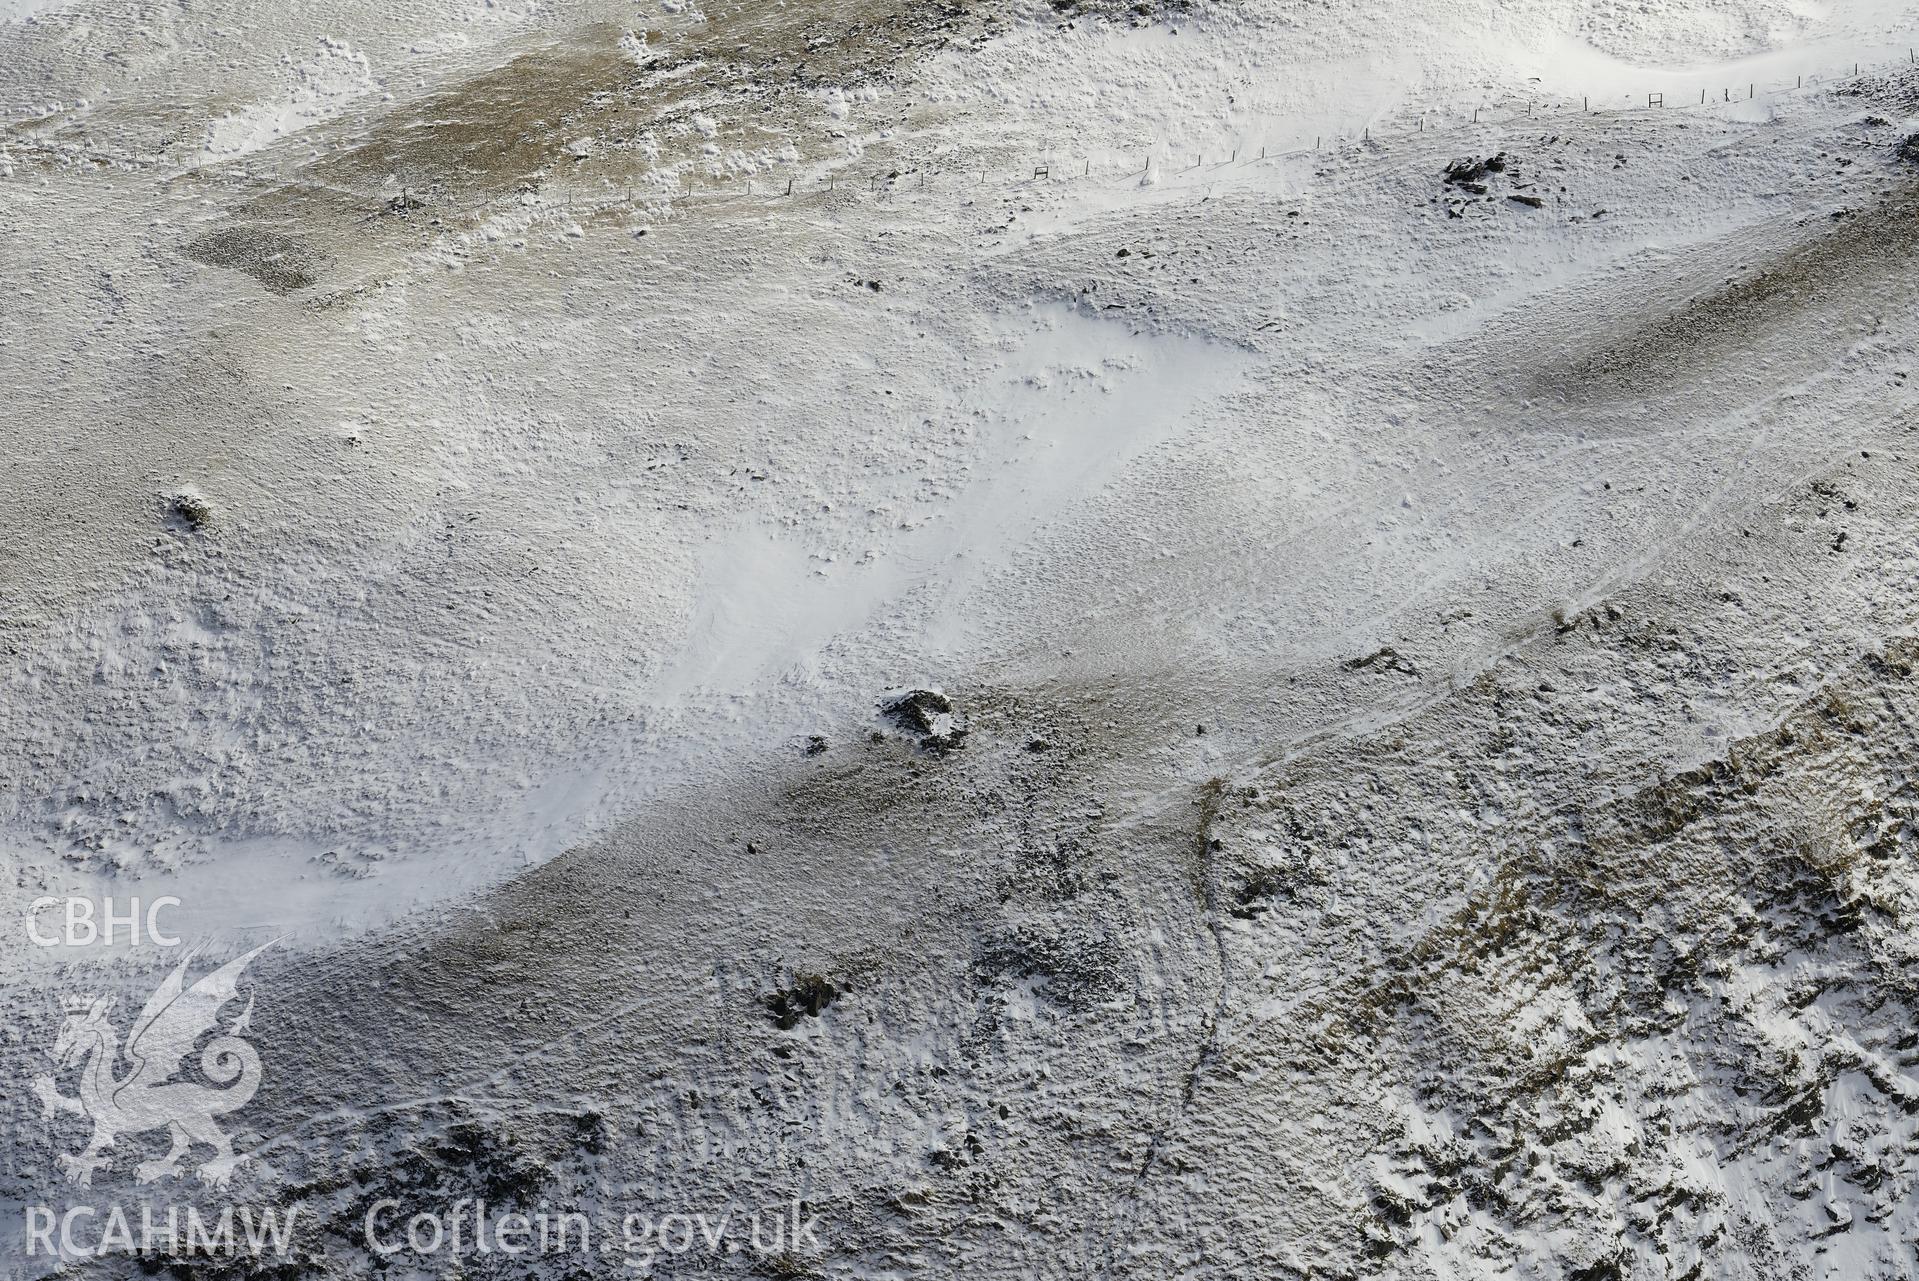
point(317, 90)
point(1357, 590)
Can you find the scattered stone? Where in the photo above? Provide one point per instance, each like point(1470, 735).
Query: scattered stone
point(1385, 657)
point(1072, 963)
point(189, 510)
point(808, 997)
point(915, 709)
point(1470, 171)
point(815, 744)
point(1531, 202)
point(1254, 897)
point(928, 713)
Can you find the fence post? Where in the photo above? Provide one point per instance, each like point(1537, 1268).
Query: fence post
point(789, 186)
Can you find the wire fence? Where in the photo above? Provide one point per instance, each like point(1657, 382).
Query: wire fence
point(661, 200)
point(947, 174)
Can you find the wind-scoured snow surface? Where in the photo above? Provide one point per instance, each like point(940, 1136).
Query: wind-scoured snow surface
point(1435, 656)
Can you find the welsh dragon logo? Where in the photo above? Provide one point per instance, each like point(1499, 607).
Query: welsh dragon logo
point(147, 1097)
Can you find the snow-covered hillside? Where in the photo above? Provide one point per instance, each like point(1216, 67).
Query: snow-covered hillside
point(1411, 542)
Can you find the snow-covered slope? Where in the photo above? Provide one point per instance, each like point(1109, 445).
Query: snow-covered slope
point(1432, 635)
